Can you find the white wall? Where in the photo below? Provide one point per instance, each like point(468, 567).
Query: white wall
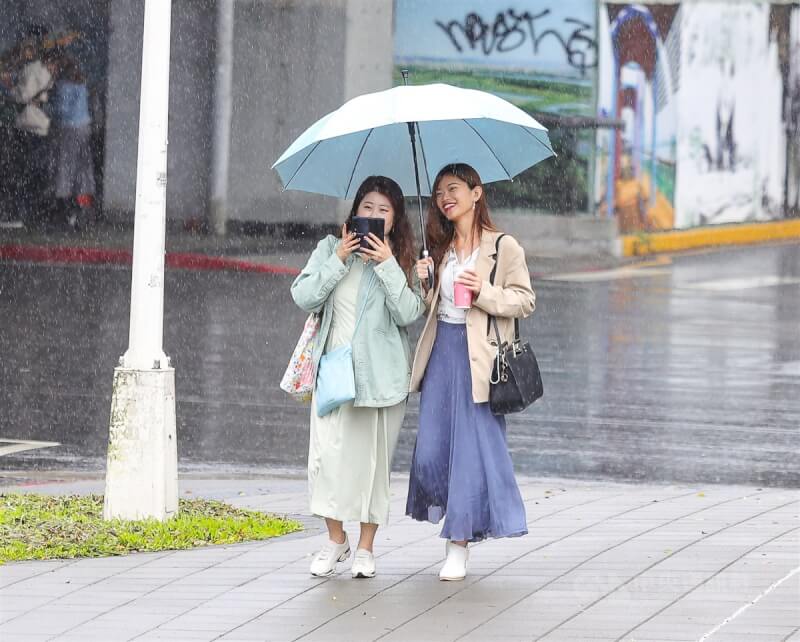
point(729, 75)
point(288, 71)
point(190, 105)
point(191, 81)
point(122, 104)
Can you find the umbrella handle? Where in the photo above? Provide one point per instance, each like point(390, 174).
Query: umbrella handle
point(426, 254)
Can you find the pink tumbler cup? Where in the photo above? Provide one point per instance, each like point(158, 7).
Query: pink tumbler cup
point(462, 296)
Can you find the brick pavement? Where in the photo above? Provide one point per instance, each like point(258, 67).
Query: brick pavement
point(602, 561)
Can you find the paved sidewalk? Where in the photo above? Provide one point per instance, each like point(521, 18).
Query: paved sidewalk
point(602, 562)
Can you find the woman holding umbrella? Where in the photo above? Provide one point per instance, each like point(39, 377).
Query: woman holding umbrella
point(365, 298)
point(461, 470)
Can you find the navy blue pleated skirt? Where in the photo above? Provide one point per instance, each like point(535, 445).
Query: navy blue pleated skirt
point(461, 469)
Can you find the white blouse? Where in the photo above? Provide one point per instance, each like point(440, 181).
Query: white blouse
point(448, 312)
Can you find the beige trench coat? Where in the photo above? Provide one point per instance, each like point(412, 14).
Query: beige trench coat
point(510, 297)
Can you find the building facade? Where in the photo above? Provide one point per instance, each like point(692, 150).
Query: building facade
point(666, 115)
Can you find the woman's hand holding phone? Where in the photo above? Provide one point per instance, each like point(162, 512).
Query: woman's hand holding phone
point(378, 251)
point(349, 244)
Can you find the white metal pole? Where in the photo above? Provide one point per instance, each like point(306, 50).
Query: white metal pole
point(147, 284)
point(141, 471)
point(223, 109)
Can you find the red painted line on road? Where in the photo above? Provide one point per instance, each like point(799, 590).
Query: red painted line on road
point(105, 256)
point(188, 261)
point(59, 254)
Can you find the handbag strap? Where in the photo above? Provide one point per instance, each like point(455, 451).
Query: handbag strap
point(364, 302)
point(496, 258)
point(491, 319)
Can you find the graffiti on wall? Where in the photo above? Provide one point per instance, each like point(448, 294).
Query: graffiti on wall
point(635, 180)
point(511, 29)
point(540, 55)
point(705, 95)
point(703, 92)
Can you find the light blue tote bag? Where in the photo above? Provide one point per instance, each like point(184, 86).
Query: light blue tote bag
point(336, 382)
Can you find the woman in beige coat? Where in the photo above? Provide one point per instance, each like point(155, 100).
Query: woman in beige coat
point(461, 470)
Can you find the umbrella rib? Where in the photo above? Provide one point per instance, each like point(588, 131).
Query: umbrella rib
point(355, 165)
point(530, 133)
point(488, 146)
point(300, 166)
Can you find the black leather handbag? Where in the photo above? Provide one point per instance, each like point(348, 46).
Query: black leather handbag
point(516, 381)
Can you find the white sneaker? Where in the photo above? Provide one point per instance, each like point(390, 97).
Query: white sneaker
point(324, 562)
point(363, 563)
point(455, 566)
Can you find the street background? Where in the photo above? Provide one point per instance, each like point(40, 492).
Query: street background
point(677, 370)
point(659, 472)
point(663, 115)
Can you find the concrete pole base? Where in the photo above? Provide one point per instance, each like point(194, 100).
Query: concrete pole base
point(142, 464)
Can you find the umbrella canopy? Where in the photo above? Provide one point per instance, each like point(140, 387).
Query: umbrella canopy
point(370, 135)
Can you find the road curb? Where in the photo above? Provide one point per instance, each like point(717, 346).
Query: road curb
point(106, 256)
point(717, 235)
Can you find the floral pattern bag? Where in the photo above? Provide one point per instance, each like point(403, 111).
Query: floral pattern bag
point(298, 380)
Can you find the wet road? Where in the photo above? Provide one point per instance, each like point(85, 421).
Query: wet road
point(685, 371)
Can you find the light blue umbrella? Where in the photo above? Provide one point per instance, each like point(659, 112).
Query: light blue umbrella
point(396, 132)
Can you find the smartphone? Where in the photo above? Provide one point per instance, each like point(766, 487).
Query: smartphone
point(364, 225)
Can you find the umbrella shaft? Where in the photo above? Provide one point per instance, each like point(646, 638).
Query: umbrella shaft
point(412, 135)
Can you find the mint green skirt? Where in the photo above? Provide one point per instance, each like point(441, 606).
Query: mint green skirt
point(350, 449)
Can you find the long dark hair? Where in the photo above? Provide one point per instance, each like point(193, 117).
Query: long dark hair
point(440, 231)
point(70, 70)
point(401, 236)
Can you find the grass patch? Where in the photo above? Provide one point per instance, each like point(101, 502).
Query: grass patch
point(39, 527)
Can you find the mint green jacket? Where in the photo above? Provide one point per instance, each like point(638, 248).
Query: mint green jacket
point(381, 352)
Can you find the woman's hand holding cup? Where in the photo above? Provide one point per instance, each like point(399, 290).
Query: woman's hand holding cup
point(467, 286)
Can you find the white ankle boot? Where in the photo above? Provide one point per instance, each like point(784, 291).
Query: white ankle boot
point(455, 566)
